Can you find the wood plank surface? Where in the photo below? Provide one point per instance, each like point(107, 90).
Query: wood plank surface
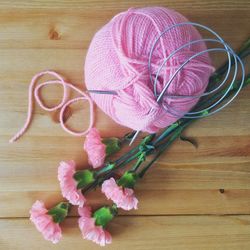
point(136, 232)
point(193, 198)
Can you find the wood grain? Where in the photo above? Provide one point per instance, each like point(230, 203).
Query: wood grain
point(185, 191)
point(139, 232)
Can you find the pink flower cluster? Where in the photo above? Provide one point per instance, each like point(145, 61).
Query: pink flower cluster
point(95, 149)
point(44, 222)
point(123, 197)
point(89, 230)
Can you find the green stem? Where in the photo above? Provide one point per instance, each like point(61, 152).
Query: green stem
point(178, 130)
point(166, 132)
point(204, 103)
point(140, 160)
point(126, 155)
point(101, 178)
point(108, 167)
point(169, 130)
point(174, 128)
point(242, 53)
point(112, 165)
point(128, 160)
point(162, 149)
point(117, 162)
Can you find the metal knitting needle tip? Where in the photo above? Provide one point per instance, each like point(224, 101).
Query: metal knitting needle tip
point(109, 92)
point(134, 137)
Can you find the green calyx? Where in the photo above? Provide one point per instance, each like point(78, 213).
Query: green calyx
point(84, 178)
point(59, 212)
point(104, 215)
point(113, 145)
point(128, 180)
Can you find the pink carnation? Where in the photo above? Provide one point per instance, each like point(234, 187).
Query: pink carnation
point(95, 149)
point(68, 185)
point(44, 222)
point(89, 230)
point(122, 197)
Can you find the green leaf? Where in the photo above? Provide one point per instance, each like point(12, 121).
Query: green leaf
point(190, 140)
point(59, 212)
point(113, 145)
point(84, 178)
point(104, 215)
point(128, 180)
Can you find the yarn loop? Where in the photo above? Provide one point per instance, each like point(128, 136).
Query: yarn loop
point(34, 91)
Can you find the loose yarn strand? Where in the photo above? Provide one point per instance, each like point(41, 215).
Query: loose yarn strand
point(34, 93)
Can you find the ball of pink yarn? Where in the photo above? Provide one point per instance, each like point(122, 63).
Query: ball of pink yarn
point(117, 59)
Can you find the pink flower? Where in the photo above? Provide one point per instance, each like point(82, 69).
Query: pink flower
point(95, 149)
point(68, 185)
point(122, 197)
point(89, 230)
point(44, 222)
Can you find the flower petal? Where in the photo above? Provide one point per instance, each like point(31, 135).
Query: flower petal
point(123, 197)
point(95, 149)
point(66, 171)
point(44, 223)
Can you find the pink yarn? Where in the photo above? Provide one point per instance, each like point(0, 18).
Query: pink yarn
point(117, 59)
point(34, 91)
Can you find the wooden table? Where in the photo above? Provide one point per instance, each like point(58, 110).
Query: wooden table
point(192, 198)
